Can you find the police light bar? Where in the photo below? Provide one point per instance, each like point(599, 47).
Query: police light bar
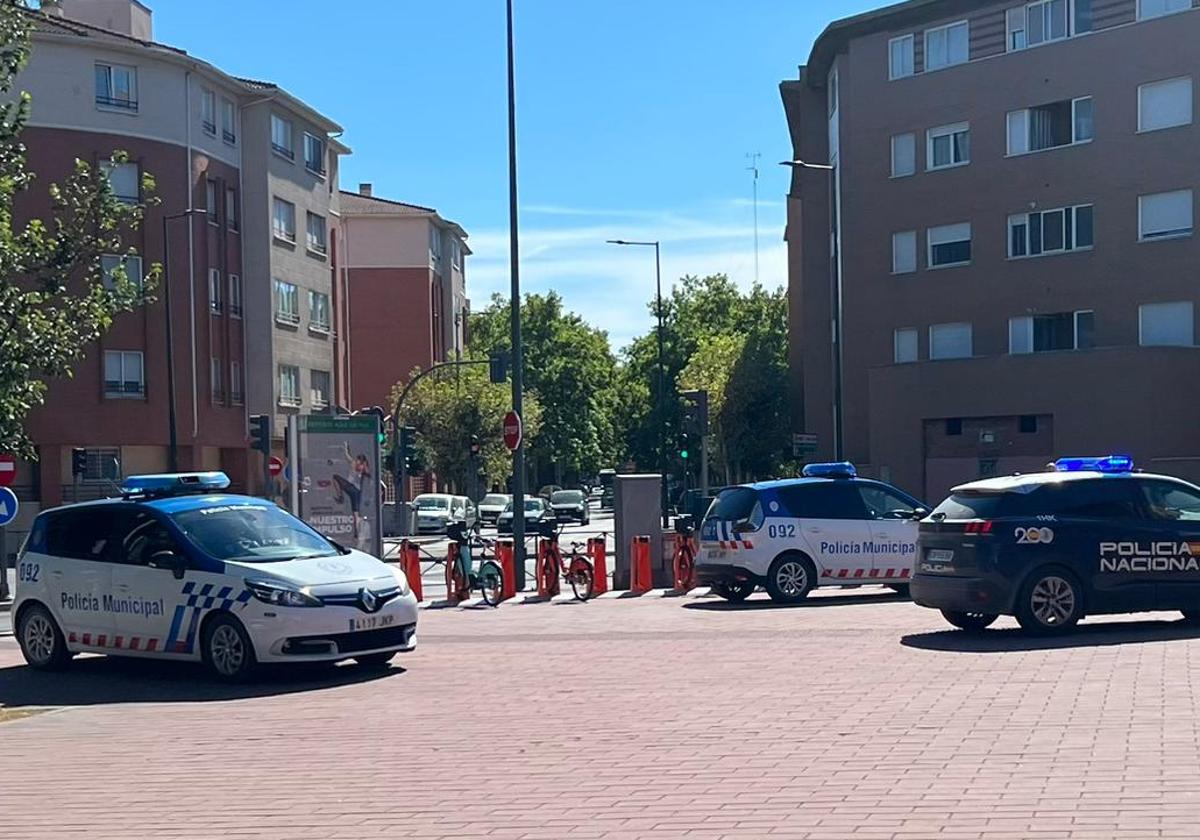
point(835, 469)
point(174, 484)
point(1106, 464)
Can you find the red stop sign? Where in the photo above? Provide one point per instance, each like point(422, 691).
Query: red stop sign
point(512, 430)
point(8, 470)
point(275, 465)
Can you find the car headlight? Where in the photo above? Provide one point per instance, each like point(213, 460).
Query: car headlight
point(401, 580)
point(280, 595)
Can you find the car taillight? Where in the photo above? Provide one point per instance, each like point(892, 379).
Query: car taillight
point(984, 527)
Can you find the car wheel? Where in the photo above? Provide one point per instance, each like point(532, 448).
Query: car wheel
point(790, 579)
point(972, 622)
point(227, 650)
point(41, 641)
point(1050, 602)
point(899, 588)
point(376, 660)
point(734, 592)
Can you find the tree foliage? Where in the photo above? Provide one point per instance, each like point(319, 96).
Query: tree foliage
point(54, 301)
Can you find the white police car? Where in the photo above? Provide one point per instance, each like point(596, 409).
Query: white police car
point(177, 570)
point(828, 528)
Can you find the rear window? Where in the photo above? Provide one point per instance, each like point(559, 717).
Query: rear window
point(734, 504)
point(1100, 498)
point(566, 497)
point(979, 506)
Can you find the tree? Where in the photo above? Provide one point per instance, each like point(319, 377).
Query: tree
point(54, 301)
point(710, 369)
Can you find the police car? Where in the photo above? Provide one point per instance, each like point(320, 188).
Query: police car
point(828, 528)
point(1090, 536)
point(176, 569)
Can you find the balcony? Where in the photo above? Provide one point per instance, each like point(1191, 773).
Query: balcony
point(120, 104)
point(283, 151)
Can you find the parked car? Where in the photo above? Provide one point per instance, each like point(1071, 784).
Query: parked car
point(491, 506)
point(536, 512)
point(570, 505)
point(435, 511)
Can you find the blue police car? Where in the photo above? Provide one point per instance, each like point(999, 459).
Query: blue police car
point(1091, 536)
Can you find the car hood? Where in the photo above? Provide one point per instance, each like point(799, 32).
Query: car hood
point(355, 567)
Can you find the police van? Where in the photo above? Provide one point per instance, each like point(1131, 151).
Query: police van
point(827, 528)
point(1090, 536)
point(175, 569)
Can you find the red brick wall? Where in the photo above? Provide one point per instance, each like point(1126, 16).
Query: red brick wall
point(390, 330)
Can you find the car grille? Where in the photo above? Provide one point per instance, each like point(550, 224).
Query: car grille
point(351, 599)
point(351, 642)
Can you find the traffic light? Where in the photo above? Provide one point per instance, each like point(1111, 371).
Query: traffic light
point(78, 461)
point(407, 451)
point(498, 367)
point(260, 434)
point(378, 412)
point(474, 446)
point(695, 413)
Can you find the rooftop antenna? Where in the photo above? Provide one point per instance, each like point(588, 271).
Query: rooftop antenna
point(753, 168)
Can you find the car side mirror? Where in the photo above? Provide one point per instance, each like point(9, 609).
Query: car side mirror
point(919, 513)
point(175, 563)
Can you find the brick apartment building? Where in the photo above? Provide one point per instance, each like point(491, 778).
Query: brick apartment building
point(1006, 237)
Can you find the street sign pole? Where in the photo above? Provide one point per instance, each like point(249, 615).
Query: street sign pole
point(704, 465)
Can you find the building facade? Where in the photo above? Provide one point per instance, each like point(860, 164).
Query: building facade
point(1005, 237)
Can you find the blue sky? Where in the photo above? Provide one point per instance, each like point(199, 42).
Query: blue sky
point(634, 121)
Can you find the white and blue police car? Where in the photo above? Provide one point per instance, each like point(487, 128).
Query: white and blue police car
point(176, 569)
point(1090, 536)
point(827, 528)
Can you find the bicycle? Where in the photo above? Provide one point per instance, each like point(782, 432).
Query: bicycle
point(460, 575)
point(576, 569)
point(685, 553)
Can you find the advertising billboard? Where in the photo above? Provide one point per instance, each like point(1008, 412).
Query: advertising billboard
point(337, 479)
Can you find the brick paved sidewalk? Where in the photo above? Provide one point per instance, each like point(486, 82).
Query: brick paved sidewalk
point(853, 717)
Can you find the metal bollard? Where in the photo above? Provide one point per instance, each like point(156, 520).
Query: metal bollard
point(599, 552)
point(640, 573)
point(504, 556)
point(410, 564)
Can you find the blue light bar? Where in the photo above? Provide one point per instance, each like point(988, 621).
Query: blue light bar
point(834, 469)
point(1106, 464)
point(174, 484)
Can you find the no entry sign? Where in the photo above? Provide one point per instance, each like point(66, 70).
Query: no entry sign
point(512, 430)
point(275, 465)
point(8, 470)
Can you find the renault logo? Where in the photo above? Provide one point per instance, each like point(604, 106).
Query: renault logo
point(368, 600)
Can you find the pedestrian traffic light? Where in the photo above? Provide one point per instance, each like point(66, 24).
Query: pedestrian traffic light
point(474, 446)
point(695, 413)
point(260, 433)
point(78, 461)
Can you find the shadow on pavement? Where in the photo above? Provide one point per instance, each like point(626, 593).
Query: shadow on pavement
point(98, 680)
point(718, 604)
point(1085, 635)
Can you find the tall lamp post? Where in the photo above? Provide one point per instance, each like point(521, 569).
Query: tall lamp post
point(659, 407)
point(173, 435)
point(836, 306)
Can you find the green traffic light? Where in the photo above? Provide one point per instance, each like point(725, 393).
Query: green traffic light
point(683, 454)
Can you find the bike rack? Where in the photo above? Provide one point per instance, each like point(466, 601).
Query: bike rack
point(453, 594)
point(640, 576)
point(687, 580)
point(597, 549)
point(552, 588)
point(410, 564)
point(505, 557)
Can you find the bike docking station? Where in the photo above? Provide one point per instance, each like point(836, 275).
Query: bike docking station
point(410, 564)
point(683, 560)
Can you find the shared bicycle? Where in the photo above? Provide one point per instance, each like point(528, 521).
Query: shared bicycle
point(461, 575)
point(576, 569)
point(685, 553)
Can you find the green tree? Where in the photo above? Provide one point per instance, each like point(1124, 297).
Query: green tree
point(54, 301)
point(709, 369)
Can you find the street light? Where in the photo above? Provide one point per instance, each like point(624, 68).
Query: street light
point(173, 446)
point(662, 373)
point(836, 302)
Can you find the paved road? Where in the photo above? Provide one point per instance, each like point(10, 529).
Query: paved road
point(854, 716)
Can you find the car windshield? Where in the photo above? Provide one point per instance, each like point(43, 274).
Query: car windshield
point(530, 505)
point(252, 534)
point(494, 499)
point(432, 503)
point(566, 497)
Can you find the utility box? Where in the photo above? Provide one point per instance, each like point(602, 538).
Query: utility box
point(637, 512)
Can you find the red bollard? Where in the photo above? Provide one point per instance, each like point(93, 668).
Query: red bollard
point(639, 571)
point(453, 593)
point(685, 573)
point(599, 552)
point(508, 569)
point(410, 564)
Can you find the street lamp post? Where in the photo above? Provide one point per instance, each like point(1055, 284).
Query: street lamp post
point(172, 432)
point(660, 405)
point(836, 306)
point(518, 483)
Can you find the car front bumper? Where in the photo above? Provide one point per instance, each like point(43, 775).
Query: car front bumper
point(960, 594)
point(332, 633)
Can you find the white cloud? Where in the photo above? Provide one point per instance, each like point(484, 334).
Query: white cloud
point(610, 285)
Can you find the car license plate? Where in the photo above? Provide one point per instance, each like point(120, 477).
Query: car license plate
point(371, 622)
point(940, 555)
point(714, 555)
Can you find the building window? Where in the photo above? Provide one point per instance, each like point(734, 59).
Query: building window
point(231, 208)
point(289, 386)
point(210, 197)
point(124, 374)
point(281, 137)
point(215, 302)
point(900, 57)
point(319, 394)
point(456, 253)
point(109, 263)
point(283, 220)
point(946, 45)
point(904, 155)
point(318, 311)
point(950, 341)
point(218, 387)
point(435, 244)
point(1164, 215)
point(1047, 20)
point(1169, 324)
point(1158, 8)
point(948, 145)
point(124, 179)
point(316, 233)
point(236, 392)
point(116, 87)
point(287, 302)
point(208, 111)
point(314, 154)
point(1165, 104)
point(904, 252)
point(1027, 424)
point(1050, 231)
point(101, 465)
point(950, 245)
point(1050, 126)
point(228, 121)
point(953, 426)
point(1047, 333)
point(904, 345)
point(235, 296)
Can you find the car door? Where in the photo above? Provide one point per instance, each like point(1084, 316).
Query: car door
point(833, 528)
point(1173, 512)
point(79, 575)
point(893, 530)
point(146, 597)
